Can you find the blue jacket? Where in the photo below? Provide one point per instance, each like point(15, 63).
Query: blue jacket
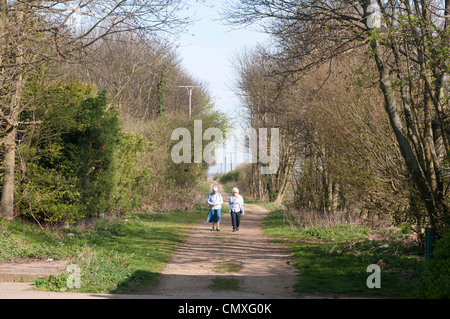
point(215, 198)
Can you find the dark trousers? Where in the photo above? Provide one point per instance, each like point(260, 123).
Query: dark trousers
point(235, 219)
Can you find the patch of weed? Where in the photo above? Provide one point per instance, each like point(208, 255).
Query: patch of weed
point(227, 266)
point(220, 283)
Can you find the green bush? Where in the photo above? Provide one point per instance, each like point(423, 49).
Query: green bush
point(132, 176)
point(49, 195)
point(436, 282)
point(72, 160)
point(49, 188)
point(231, 176)
point(90, 149)
point(52, 283)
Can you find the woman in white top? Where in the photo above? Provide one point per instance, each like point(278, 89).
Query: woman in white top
point(236, 208)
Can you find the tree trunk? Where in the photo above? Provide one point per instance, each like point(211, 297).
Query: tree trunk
point(405, 148)
point(15, 108)
point(285, 177)
point(7, 201)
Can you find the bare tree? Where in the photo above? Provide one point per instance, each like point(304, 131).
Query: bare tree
point(408, 41)
point(264, 101)
point(142, 74)
point(35, 32)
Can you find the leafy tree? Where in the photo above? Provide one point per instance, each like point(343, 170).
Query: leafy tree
point(90, 149)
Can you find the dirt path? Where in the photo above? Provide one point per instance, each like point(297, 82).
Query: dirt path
point(261, 266)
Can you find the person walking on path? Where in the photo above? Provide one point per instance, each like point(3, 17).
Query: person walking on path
point(236, 202)
point(214, 201)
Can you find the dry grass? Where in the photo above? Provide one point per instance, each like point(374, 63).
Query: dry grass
point(315, 218)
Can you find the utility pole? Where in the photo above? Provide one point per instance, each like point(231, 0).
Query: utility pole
point(190, 88)
point(225, 171)
point(231, 160)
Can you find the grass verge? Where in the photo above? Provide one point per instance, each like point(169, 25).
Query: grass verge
point(227, 266)
point(115, 256)
point(334, 260)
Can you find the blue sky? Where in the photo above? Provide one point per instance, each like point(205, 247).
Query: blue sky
point(207, 47)
point(206, 50)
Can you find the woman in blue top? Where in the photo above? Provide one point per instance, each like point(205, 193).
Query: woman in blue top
point(214, 201)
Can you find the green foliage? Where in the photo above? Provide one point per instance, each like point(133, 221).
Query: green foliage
point(281, 223)
point(50, 196)
point(436, 282)
point(170, 183)
point(78, 162)
point(336, 232)
point(165, 174)
point(20, 239)
point(132, 176)
point(231, 176)
point(50, 188)
point(220, 283)
point(78, 159)
point(114, 256)
point(90, 149)
point(52, 283)
point(228, 266)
